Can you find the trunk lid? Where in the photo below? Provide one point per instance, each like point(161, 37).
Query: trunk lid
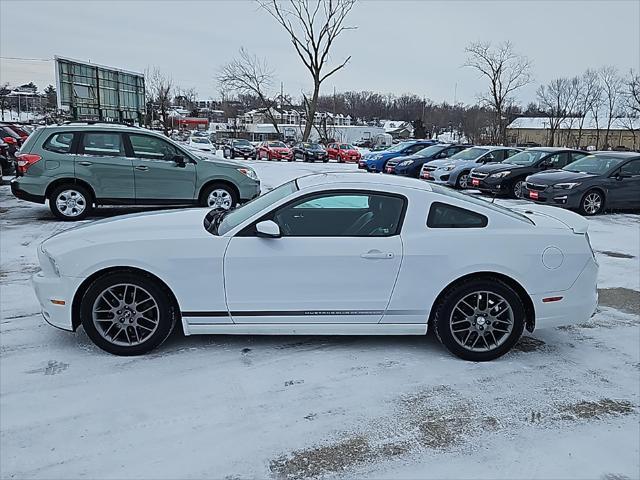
point(554, 217)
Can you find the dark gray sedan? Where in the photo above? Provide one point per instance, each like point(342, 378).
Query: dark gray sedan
point(588, 185)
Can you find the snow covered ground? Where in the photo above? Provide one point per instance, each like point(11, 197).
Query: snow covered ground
point(564, 404)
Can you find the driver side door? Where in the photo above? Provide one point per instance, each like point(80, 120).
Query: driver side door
point(336, 261)
point(158, 177)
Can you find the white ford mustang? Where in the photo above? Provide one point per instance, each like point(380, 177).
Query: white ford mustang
point(330, 254)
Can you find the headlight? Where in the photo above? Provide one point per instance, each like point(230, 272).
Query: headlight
point(500, 174)
point(406, 163)
point(566, 186)
point(249, 173)
point(448, 168)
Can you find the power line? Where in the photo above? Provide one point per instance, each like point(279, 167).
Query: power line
point(28, 59)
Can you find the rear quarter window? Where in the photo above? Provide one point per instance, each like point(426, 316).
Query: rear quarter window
point(443, 215)
point(59, 142)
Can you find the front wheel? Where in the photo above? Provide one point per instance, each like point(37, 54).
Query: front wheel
point(592, 203)
point(516, 189)
point(70, 202)
point(480, 320)
point(126, 314)
point(219, 196)
point(463, 180)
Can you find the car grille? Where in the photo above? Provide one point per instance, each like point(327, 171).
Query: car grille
point(392, 163)
point(428, 168)
point(479, 175)
point(535, 186)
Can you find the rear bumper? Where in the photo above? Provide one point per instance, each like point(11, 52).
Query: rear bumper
point(22, 194)
point(578, 303)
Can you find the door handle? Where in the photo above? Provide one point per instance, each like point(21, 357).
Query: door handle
point(85, 164)
point(377, 254)
point(142, 168)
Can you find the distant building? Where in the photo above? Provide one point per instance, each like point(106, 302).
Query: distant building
point(624, 133)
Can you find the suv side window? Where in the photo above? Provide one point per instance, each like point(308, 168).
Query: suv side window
point(493, 156)
point(152, 148)
point(342, 214)
point(59, 142)
point(443, 215)
point(102, 144)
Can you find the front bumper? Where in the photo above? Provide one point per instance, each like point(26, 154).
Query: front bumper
point(18, 191)
point(487, 185)
point(60, 289)
point(578, 303)
point(557, 198)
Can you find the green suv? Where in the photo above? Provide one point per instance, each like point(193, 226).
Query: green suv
point(77, 166)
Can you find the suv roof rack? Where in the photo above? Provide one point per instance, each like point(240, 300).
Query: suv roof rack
point(96, 122)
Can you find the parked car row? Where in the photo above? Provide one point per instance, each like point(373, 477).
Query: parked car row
point(12, 136)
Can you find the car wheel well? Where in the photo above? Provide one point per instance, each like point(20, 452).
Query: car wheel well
point(218, 182)
point(77, 298)
point(597, 189)
point(530, 313)
point(71, 181)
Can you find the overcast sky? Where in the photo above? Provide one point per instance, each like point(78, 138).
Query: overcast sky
point(399, 46)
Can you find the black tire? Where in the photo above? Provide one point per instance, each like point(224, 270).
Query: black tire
point(204, 195)
point(164, 314)
point(591, 203)
point(82, 197)
point(444, 316)
point(305, 158)
point(516, 188)
point(459, 185)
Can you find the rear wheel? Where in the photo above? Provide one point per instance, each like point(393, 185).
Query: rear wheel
point(70, 202)
point(219, 196)
point(480, 320)
point(126, 314)
point(592, 203)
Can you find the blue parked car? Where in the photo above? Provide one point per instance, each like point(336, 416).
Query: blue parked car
point(410, 166)
point(376, 161)
point(454, 171)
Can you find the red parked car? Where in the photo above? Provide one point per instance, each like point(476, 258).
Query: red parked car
point(274, 150)
point(343, 152)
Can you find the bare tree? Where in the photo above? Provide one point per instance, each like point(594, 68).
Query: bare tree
point(611, 87)
point(313, 27)
point(632, 96)
point(4, 91)
point(555, 99)
point(249, 75)
point(589, 95)
point(160, 91)
point(506, 71)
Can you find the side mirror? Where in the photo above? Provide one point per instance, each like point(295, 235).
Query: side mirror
point(268, 229)
point(180, 161)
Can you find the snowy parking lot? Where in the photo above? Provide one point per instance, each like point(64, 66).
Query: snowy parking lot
point(564, 404)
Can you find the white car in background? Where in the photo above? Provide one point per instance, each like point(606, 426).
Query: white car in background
point(201, 144)
point(328, 254)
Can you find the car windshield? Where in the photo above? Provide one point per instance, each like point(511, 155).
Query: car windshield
point(469, 154)
point(277, 144)
point(429, 151)
point(313, 146)
point(199, 140)
point(242, 143)
point(594, 164)
point(479, 201)
point(347, 147)
point(235, 217)
point(399, 147)
point(528, 157)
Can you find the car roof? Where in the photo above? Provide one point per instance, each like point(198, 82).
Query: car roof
point(621, 155)
point(554, 149)
point(335, 178)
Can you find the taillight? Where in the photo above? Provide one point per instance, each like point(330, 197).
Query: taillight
point(25, 160)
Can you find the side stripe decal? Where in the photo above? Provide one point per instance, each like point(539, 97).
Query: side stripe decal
point(301, 313)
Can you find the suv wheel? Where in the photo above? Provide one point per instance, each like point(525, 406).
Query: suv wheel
point(70, 202)
point(219, 196)
point(480, 319)
point(126, 314)
point(592, 203)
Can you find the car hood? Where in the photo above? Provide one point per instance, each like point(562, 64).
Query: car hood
point(280, 149)
point(497, 167)
point(551, 177)
point(123, 229)
point(439, 163)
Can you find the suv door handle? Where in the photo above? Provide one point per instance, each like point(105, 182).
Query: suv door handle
point(142, 168)
point(85, 164)
point(377, 254)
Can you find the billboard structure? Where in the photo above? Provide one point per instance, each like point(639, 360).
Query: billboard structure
point(95, 92)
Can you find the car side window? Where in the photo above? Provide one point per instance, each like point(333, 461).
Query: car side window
point(577, 156)
point(342, 215)
point(102, 144)
point(631, 169)
point(152, 148)
point(495, 156)
point(443, 215)
point(558, 160)
point(59, 142)
point(511, 153)
point(413, 149)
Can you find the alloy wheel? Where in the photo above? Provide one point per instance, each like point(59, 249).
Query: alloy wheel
point(125, 314)
point(592, 203)
point(220, 198)
point(517, 189)
point(464, 180)
point(71, 203)
point(481, 321)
